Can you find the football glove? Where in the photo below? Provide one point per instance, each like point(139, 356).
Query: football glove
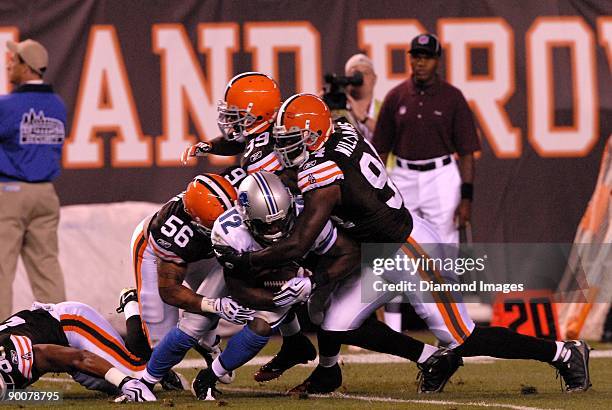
point(296, 290)
point(228, 257)
point(197, 150)
point(135, 390)
point(230, 310)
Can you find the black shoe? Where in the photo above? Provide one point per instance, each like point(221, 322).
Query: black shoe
point(575, 370)
point(322, 380)
point(295, 350)
point(203, 386)
point(126, 295)
point(437, 370)
point(174, 381)
point(209, 354)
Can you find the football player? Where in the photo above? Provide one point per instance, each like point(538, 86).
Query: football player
point(265, 213)
point(341, 176)
point(163, 245)
point(68, 337)
point(246, 119)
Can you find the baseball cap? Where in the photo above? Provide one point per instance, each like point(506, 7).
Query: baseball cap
point(32, 53)
point(359, 59)
point(426, 44)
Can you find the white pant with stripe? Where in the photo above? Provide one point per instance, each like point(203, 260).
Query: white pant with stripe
point(158, 318)
point(445, 314)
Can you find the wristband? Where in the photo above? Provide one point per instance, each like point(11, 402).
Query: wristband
point(208, 305)
point(114, 376)
point(467, 191)
point(365, 119)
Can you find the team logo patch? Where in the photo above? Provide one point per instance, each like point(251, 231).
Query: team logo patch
point(243, 199)
point(438, 113)
point(402, 110)
point(27, 356)
point(310, 164)
point(256, 156)
point(163, 244)
point(14, 357)
point(423, 39)
point(312, 179)
point(38, 129)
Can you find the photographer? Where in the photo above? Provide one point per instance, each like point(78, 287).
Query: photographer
point(352, 95)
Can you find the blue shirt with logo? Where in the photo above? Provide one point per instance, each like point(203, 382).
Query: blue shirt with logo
point(32, 133)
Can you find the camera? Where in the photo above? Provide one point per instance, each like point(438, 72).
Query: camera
point(335, 96)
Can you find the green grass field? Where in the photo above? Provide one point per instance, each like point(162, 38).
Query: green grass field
point(495, 384)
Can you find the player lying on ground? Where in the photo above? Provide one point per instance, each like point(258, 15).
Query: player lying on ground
point(68, 337)
point(342, 177)
point(264, 214)
point(163, 246)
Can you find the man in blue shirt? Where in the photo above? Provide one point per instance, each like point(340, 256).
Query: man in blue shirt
point(32, 132)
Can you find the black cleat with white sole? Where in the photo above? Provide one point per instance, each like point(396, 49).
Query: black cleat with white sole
point(573, 366)
point(295, 350)
point(322, 380)
point(204, 385)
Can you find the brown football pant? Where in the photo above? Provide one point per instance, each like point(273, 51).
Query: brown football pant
point(29, 216)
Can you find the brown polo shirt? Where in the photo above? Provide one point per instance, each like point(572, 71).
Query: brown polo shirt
point(420, 123)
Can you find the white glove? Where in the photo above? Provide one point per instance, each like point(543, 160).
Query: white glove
point(135, 390)
point(296, 290)
point(197, 150)
point(230, 310)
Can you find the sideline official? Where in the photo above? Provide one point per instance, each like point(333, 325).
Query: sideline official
point(424, 121)
point(32, 132)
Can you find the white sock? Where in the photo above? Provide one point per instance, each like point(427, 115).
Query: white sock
point(326, 361)
point(131, 309)
point(291, 328)
point(150, 379)
point(428, 350)
point(218, 368)
point(394, 320)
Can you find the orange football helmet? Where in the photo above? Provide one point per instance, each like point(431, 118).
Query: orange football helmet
point(207, 196)
point(303, 124)
point(250, 104)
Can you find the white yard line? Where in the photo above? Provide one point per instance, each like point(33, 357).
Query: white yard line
point(63, 379)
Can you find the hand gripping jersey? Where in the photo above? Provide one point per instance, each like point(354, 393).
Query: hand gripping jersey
point(18, 334)
point(175, 238)
point(230, 230)
point(372, 208)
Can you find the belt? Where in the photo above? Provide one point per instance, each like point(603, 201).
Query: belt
point(428, 166)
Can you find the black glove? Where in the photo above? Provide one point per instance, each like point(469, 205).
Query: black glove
point(230, 259)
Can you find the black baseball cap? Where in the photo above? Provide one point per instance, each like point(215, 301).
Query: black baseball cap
point(426, 44)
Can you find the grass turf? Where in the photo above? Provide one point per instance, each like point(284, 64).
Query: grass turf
point(500, 384)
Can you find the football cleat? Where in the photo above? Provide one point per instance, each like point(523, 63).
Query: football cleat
point(126, 295)
point(174, 381)
point(321, 381)
point(573, 366)
point(209, 354)
point(437, 370)
point(204, 385)
point(295, 350)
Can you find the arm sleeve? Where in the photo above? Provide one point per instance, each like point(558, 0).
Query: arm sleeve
point(384, 132)
point(464, 135)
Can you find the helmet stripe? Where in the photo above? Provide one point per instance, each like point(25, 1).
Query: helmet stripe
point(281, 112)
point(214, 187)
point(265, 189)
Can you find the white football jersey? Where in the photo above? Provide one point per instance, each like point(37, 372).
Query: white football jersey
point(230, 230)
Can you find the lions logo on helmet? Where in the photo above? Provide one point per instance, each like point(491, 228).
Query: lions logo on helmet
point(266, 207)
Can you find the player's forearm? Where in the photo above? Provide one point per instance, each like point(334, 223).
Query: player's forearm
point(181, 297)
point(466, 168)
point(255, 298)
point(221, 146)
